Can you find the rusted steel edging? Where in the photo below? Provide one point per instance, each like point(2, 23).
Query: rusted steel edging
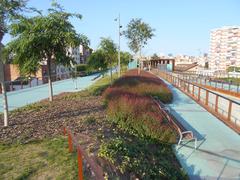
point(81, 154)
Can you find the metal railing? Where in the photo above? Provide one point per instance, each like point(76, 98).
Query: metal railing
point(36, 81)
point(223, 108)
point(184, 135)
point(212, 83)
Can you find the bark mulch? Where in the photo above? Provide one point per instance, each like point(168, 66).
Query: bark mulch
point(81, 112)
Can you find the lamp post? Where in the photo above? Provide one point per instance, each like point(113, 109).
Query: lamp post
point(119, 34)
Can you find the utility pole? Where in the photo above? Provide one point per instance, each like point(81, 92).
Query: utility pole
point(139, 59)
point(119, 35)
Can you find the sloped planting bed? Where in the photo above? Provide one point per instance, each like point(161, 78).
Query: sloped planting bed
point(130, 106)
point(122, 130)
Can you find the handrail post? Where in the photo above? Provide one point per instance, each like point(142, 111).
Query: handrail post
point(199, 93)
point(11, 86)
point(193, 90)
point(207, 94)
point(216, 104)
point(229, 110)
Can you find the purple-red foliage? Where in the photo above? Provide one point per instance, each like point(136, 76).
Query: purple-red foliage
point(131, 106)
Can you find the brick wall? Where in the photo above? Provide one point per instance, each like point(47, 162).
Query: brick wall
point(11, 72)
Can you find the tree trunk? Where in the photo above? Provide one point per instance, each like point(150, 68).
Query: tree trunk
point(5, 104)
point(50, 89)
point(4, 93)
point(2, 79)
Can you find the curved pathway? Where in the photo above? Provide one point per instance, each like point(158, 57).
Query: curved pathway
point(218, 152)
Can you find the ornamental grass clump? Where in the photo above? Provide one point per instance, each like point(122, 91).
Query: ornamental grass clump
point(145, 84)
point(140, 116)
point(130, 105)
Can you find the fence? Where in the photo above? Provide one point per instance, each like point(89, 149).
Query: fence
point(223, 108)
point(97, 172)
point(36, 81)
point(209, 73)
point(210, 83)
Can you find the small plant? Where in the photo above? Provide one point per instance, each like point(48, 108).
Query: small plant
point(90, 120)
point(32, 107)
point(134, 156)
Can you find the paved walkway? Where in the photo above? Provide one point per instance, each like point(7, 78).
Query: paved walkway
point(218, 152)
point(26, 96)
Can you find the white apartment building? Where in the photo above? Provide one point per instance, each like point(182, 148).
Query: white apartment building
point(224, 48)
point(184, 59)
point(79, 55)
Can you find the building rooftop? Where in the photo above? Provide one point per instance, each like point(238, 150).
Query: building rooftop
point(226, 27)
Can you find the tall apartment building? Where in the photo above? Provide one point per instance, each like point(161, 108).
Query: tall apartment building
point(224, 48)
point(79, 55)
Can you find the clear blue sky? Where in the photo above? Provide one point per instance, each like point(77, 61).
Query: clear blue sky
point(182, 26)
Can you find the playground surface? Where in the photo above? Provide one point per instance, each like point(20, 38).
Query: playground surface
point(218, 151)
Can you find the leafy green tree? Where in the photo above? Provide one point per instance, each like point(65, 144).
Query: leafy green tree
point(138, 33)
point(9, 10)
point(109, 49)
point(44, 38)
point(125, 58)
point(97, 61)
